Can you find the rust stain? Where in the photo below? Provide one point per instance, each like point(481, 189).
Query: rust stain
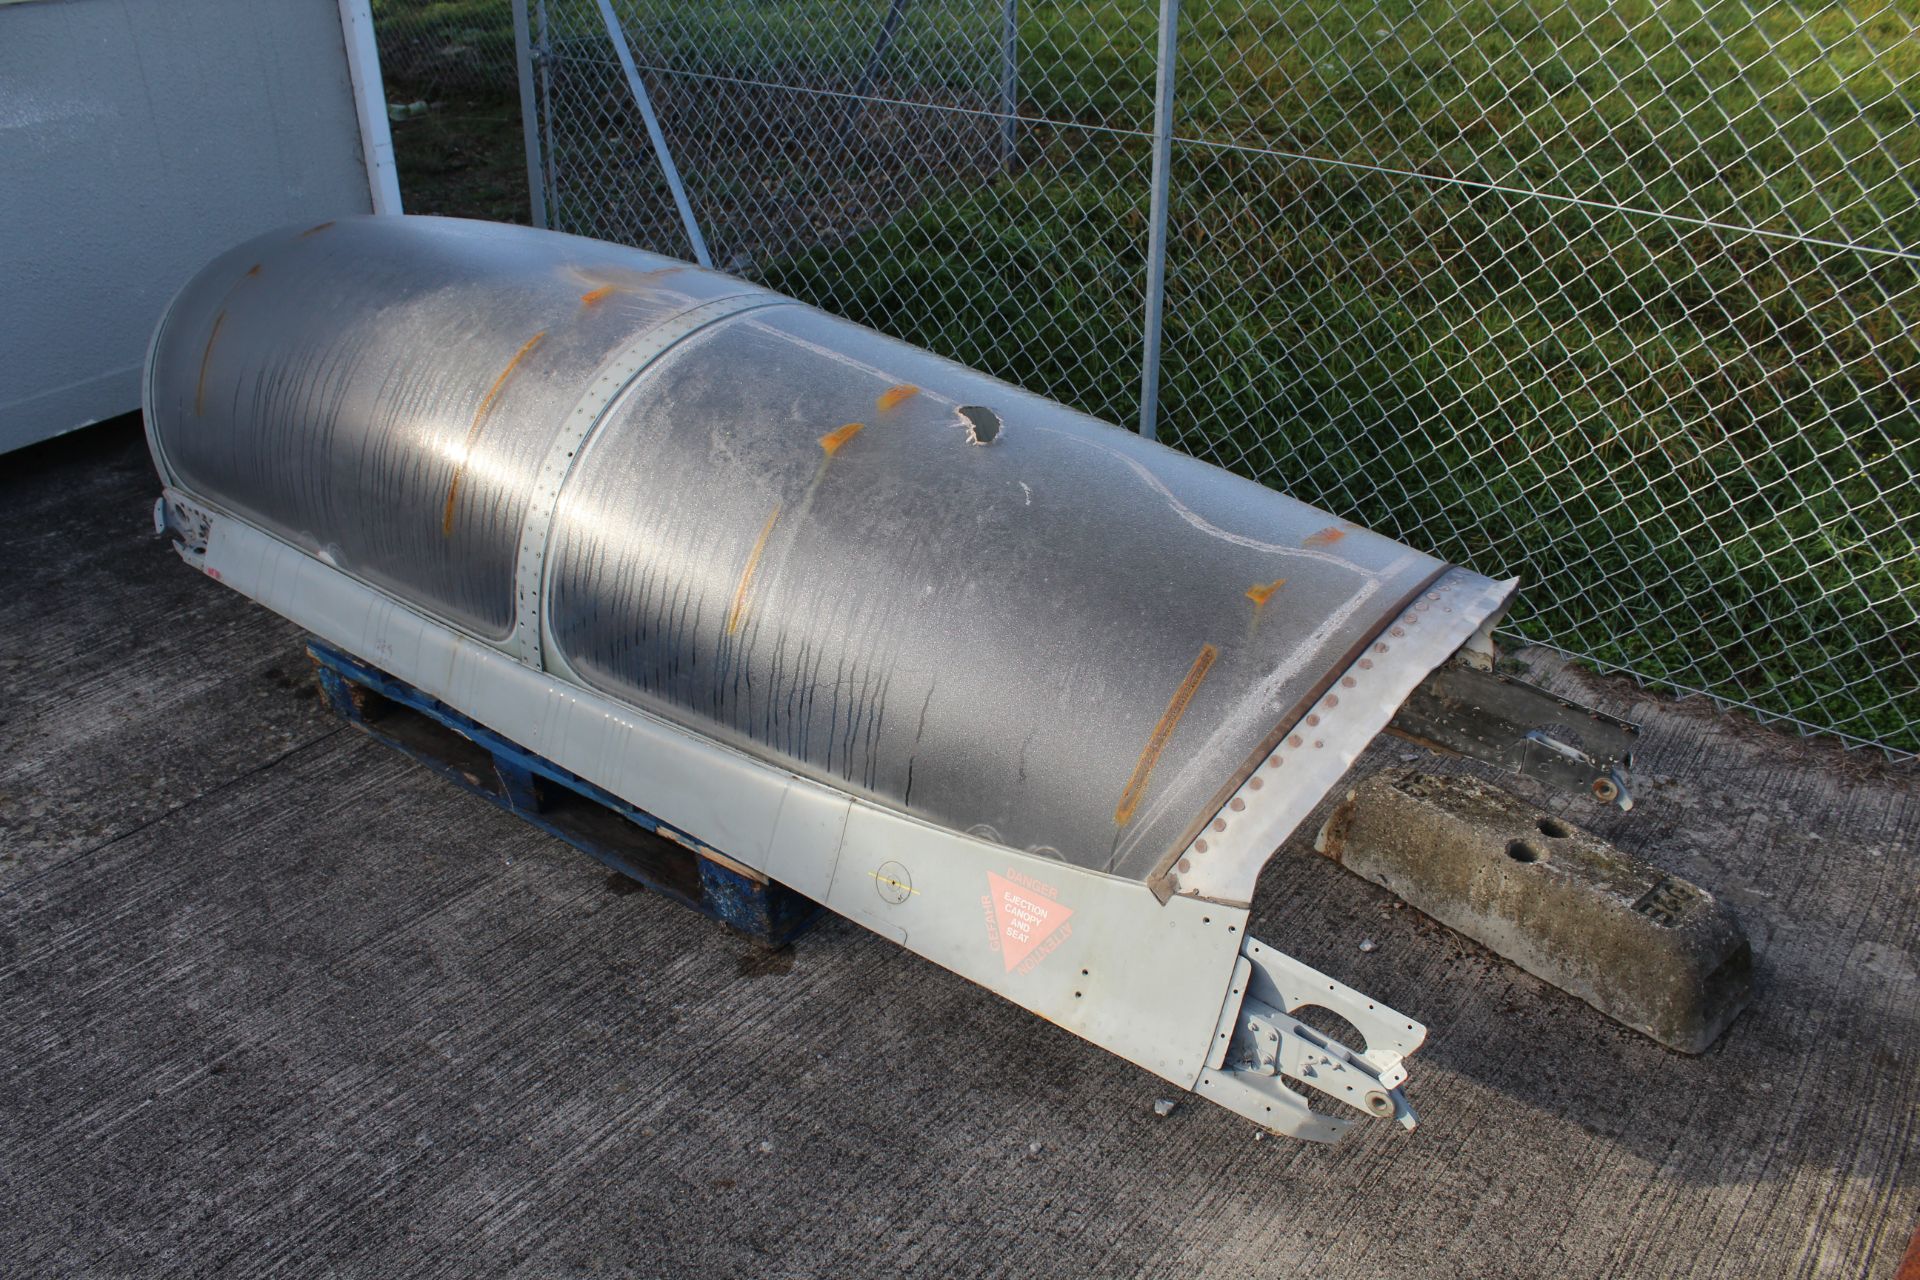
point(206, 358)
point(314, 231)
point(832, 441)
point(739, 609)
point(1260, 593)
point(894, 397)
point(1326, 537)
point(254, 270)
point(601, 294)
point(1910, 1265)
point(1162, 734)
point(473, 432)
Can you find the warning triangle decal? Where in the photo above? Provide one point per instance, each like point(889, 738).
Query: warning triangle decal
point(1024, 917)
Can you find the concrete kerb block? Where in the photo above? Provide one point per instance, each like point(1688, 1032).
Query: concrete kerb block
point(1646, 948)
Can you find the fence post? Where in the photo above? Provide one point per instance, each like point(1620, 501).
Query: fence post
point(1009, 82)
point(529, 122)
point(618, 34)
point(549, 166)
point(850, 119)
point(1157, 218)
point(370, 104)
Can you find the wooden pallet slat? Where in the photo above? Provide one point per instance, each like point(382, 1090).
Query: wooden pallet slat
point(625, 838)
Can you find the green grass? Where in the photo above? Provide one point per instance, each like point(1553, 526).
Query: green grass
point(1697, 445)
point(431, 48)
point(464, 158)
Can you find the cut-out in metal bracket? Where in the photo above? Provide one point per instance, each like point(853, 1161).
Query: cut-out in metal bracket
point(1258, 1041)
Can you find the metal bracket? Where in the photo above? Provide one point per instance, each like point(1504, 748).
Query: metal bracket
point(1522, 727)
point(1257, 1042)
point(189, 527)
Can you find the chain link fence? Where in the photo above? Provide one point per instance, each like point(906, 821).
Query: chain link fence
point(1617, 296)
point(451, 79)
point(431, 50)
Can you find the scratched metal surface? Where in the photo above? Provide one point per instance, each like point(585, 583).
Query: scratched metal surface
point(1047, 639)
point(381, 391)
point(276, 1001)
point(785, 533)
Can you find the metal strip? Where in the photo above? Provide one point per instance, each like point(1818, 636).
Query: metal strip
point(1157, 219)
point(1230, 1012)
point(615, 376)
point(618, 35)
point(1224, 860)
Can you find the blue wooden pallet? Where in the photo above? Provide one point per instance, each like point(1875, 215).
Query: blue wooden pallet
point(590, 818)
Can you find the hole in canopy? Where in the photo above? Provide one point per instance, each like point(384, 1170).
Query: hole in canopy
point(983, 424)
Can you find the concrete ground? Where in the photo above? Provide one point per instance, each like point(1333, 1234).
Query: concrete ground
point(276, 1001)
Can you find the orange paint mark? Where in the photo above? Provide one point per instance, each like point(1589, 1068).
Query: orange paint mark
point(1260, 593)
point(314, 231)
point(254, 270)
point(1326, 537)
point(206, 358)
point(894, 397)
point(1162, 734)
point(473, 432)
point(832, 441)
point(598, 295)
point(739, 609)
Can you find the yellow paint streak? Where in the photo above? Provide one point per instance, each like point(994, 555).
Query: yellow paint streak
point(1260, 593)
point(894, 397)
point(314, 231)
point(601, 294)
point(739, 609)
point(910, 889)
point(480, 416)
point(206, 358)
point(1162, 734)
point(832, 441)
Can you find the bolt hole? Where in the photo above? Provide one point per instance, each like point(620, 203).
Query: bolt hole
point(1524, 851)
point(1553, 828)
